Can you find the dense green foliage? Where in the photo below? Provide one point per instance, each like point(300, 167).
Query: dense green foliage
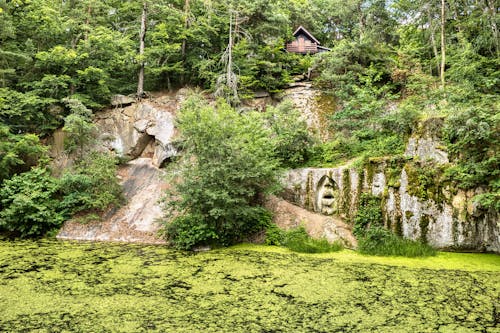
point(293, 142)
point(381, 242)
point(30, 205)
point(34, 202)
point(473, 137)
point(369, 214)
point(228, 164)
point(18, 152)
point(91, 185)
point(298, 240)
point(92, 287)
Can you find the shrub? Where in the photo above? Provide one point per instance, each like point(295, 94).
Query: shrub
point(369, 214)
point(381, 242)
point(18, 152)
point(274, 235)
point(78, 127)
point(298, 240)
point(293, 142)
point(29, 204)
point(91, 185)
point(228, 163)
point(472, 137)
point(187, 231)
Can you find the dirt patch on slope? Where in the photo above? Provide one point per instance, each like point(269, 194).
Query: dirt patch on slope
point(287, 215)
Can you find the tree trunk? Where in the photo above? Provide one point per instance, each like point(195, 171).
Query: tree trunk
point(362, 21)
point(142, 35)
point(443, 43)
point(183, 46)
point(433, 40)
point(229, 68)
point(493, 22)
point(87, 22)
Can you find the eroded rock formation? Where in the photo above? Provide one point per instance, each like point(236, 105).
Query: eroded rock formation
point(137, 221)
point(144, 128)
point(324, 200)
point(433, 212)
point(287, 215)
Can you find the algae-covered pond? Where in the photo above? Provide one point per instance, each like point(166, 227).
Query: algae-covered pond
point(50, 286)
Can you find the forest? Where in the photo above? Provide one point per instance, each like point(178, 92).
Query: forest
point(393, 69)
point(61, 61)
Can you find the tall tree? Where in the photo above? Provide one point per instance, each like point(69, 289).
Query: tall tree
point(443, 43)
point(142, 37)
point(228, 163)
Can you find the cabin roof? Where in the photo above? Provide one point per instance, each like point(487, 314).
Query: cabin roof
point(307, 33)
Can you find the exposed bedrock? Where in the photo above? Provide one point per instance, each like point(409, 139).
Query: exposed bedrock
point(434, 212)
point(144, 129)
point(137, 221)
point(287, 215)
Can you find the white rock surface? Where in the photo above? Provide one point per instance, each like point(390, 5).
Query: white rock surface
point(136, 221)
point(456, 223)
point(128, 131)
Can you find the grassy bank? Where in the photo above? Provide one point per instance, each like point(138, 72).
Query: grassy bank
point(50, 286)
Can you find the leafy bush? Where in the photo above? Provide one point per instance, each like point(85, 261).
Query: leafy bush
point(91, 185)
point(292, 139)
point(367, 124)
point(298, 240)
point(34, 203)
point(369, 214)
point(78, 127)
point(27, 112)
point(187, 231)
point(30, 204)
point(18, 152)
point(274, 235)
point(228, 163)
point(473, 139)
point(382, 242)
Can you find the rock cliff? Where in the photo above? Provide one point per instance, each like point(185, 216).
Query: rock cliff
point(433, 212)
point(413, 203)
point(137, 221)
point(144, 128)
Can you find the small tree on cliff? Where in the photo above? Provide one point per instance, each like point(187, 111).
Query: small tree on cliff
point(228, 163)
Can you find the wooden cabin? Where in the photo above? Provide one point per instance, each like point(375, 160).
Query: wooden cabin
point(304, 43)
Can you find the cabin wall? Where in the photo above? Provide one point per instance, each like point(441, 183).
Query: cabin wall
point(302, 44)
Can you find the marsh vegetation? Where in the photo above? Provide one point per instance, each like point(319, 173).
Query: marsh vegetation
point(50, 286)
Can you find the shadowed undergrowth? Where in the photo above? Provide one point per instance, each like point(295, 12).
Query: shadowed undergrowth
point(381, 242)
point(297, 240)
point(49, 286)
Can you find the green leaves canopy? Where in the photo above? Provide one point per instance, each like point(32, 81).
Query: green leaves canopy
point(228, 164)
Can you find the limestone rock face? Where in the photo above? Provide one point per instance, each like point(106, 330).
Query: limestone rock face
point(287, 215)
point(121, 100)
point(444, 217)
point(136, 221)
point(455, 222)
point(311, 103)
point(130, 130)
point(426, 143)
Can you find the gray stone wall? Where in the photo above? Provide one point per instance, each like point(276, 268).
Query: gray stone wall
point(446, 217)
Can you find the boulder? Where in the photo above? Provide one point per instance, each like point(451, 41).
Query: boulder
point(121, 100)
point(128, 131)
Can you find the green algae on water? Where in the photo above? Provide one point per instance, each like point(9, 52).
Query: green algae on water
point(49, 286)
